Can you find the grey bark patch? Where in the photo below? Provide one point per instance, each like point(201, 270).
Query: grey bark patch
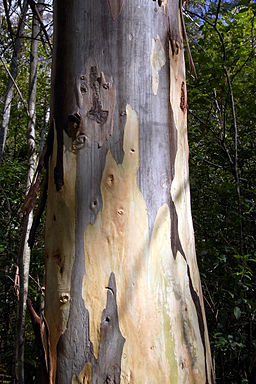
point(58, 170)
point(92, 119)
point(108, 366)
point(71, 359)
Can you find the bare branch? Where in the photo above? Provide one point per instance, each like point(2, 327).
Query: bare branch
point(16, 85)
point(36, 12)
point(217, 13)
point(9, 22)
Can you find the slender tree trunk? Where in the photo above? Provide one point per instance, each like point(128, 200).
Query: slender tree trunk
point(24, 259)
point(123, 293)
point(44, 130)
point(14, 73)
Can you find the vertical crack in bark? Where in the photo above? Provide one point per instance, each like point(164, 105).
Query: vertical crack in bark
point(199, 312)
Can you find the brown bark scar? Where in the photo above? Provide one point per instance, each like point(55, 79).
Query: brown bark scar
point(92, 121)
point(116, 7)
point(182, 97)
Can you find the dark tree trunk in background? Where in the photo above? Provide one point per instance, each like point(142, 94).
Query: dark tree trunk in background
point(123, 294)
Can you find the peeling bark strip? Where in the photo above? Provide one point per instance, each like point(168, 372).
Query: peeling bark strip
point(93, 119)
point(59, 246)
point(116, 7)
point(192, 304)
point(175, 239)
point(199, 311)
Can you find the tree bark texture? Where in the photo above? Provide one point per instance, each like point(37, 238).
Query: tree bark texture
point(123, 294)
point(10, 85)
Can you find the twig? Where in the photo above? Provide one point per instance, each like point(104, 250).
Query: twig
point(16, 85)
point(38, 284)
point(236, 135)
point(8, 22)
point(252, 53)
point(185, 37)
point(36, 12)
point(217, 13)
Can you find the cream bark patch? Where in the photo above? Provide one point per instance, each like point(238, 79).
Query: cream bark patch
point(118, 242)
point(158, 60)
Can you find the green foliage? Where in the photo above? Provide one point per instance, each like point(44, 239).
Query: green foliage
point(224, 216)
point(13, 178)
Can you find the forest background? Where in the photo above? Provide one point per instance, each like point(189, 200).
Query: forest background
point(222, 140)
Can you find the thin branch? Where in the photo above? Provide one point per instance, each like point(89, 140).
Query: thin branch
point(9, 22)
point(236, 135)
point(36, 12)
point(15, 84)
point(213, 164)
point(252, 53)
point(221, 142)
point(38, 285)
point(217, 13)
point(185, 37)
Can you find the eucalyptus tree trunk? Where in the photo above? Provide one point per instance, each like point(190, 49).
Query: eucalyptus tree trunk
point(123, 294)
point(14, 73)
point(24, 257)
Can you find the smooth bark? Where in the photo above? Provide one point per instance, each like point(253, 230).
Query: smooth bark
point(123, 294)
